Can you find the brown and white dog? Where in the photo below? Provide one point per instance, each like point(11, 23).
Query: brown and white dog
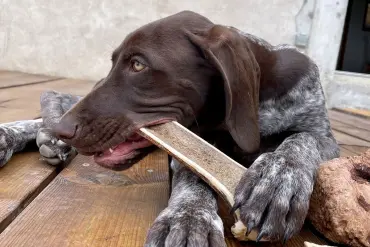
point(262, 105)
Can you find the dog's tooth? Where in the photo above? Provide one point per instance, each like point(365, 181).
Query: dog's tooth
point(111, 150)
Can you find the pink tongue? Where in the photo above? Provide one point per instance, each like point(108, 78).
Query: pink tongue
point(123, 151)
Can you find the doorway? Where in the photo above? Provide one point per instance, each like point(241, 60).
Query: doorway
point(354, 54)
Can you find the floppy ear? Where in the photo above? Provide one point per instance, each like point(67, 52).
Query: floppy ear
point(231, 55)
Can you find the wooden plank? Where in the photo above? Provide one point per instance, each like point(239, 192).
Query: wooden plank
point(355, 150)
point(345, 139)
point(350, 145)
point(20, 181)
point(13, 79)
point(350, 132)
point(349, 119)
point(87, 205)
point(23, 102)
point(24, 176)
point(344, 152)
point(361, 112)
point(356, 132)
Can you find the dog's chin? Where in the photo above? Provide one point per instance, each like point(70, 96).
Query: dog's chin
point(125, 154)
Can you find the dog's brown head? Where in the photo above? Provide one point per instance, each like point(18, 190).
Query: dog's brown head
point(181, 68)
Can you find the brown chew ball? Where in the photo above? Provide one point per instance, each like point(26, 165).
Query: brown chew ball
point(340, 203)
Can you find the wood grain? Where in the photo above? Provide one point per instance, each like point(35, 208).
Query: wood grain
point(344, 152)
point(348, 119)
point(362, 134)
point(20, 181)
point(87, 205)
point(23, 102)
point(25, 176)
point(352, 138)
point(349, 140)
point(13, 79)
point(361, 112)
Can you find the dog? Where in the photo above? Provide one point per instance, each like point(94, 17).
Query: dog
point(260, 104)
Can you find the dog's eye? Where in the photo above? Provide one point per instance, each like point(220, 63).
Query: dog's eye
point(137, 66)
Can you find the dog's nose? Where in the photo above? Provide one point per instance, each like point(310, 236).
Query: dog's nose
point(66, 128)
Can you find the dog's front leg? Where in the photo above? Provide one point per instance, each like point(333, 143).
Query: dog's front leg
point(53, 107)
point(14, 136)
point(274, 194)
point(190, 218)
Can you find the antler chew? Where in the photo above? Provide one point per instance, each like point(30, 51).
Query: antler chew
point(214, 167)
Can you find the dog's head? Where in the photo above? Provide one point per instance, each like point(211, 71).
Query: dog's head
point(182, 68)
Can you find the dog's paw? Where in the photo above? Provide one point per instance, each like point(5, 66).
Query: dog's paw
point(53, 150)
point(273, 196)
point(184, 226)
point(7, 144)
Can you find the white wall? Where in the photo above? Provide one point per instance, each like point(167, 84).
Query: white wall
point(74, 38)
point(326, 36)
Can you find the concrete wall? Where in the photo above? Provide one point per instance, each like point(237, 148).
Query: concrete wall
point(326, 36)
point(74, 38)
point(354, 55)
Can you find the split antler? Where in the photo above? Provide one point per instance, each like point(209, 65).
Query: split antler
point(214, 167)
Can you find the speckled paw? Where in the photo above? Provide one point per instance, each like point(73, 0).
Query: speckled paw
point(52, 150)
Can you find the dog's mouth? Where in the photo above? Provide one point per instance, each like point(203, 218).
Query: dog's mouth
point(121, 154)
point(127, 152)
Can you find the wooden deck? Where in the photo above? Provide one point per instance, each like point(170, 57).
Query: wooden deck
point(87, 205)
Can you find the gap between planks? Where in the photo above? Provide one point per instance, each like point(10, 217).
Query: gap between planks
point(21, 180)
point(32, 83)
point(10, 79)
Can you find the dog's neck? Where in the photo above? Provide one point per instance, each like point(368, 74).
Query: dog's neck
point(278, 73)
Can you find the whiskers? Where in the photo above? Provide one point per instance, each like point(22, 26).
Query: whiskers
point(195, 120)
